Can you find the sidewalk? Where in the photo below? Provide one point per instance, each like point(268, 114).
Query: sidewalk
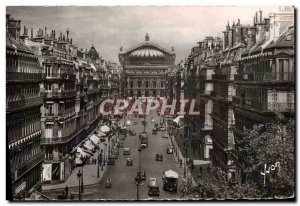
point(177, 155)
point(89, 176)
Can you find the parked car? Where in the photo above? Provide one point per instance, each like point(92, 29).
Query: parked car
point(170, 150)
point(114, 156)
point(161, 128)
point(154, 131)
point(129, 161)
point(126, 151)
point(111, 161)
point(158, 157)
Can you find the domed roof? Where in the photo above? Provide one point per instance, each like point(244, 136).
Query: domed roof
point(147, 53)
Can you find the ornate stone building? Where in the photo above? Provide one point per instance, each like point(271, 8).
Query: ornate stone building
point(146, 67)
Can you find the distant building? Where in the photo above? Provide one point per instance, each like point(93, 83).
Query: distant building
point(146, 67)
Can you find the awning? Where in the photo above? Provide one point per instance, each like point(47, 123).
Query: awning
point(104, 129)
point(88, 144)
point(177, 119)
point(101, 134)
point(82, 153)
point(78, 161)
point(171, 174)
point(95, 139)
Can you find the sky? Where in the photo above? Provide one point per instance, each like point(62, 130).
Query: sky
point(109, 28)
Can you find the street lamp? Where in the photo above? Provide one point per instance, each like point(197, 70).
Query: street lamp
point(185, 149)
point(79, 177)
point(138, 180)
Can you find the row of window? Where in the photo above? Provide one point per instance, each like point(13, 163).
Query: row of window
point(13, 65)
point(25, 153)
point(147, 84)
point(20, 93)
point(19, 131)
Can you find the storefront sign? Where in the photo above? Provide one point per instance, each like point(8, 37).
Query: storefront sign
point(62, 171)
point(20, 188)
point(47, 172)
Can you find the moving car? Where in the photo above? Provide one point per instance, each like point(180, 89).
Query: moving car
point(108, 183)
point(170, 150)
point(129, 161)
point(126, 151)
point(132, 133)
point(153, 188)
point(154, 131)
point(114, 156)
point(144, 145)
point(140, 176)
point(170, 180)
point(165, 135)
point(143, 135)
point(158, 157)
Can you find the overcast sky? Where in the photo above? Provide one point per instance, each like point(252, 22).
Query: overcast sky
point(109, 28)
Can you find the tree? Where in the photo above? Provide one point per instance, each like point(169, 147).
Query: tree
point(269, 144)
point(263, 144)
point(215, 186)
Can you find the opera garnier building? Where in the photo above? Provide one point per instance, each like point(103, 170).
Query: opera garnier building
point(146, 67)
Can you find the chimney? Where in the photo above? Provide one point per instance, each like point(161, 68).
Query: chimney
point(64, 37)
point(54, 34)
point(60, 36)
point(14, 28)
point(260, 16)
point(71, 41)
point(250, 37)
point(256, 17)
point(45, 31)
point(67, 34)
point(31, 34)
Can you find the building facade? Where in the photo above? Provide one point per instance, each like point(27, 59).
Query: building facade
point(146, 67)
point(23, 102)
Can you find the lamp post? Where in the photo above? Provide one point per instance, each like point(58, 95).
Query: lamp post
point(79, 177)
point(138, 179)
point(140, 150)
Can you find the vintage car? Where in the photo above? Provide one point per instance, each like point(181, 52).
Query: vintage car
point(111, 161)
point(143, 135)
point(129, 161)
point(126, 151)
point(144, 145)
point(165, 135)
point(158, 157)
point(154, 131)
point(161, 128)
point(170, 150)
point(114, 156)
point(153, 188)
point(108, 183)
point(140, 176)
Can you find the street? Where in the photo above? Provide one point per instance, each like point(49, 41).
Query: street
point(123, 176)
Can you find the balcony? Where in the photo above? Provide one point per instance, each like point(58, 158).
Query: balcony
point(59, 94)
point(28, 165)
point(220, 77)
point(65, 76)
point(267, 77)
point(22, 76)
point(265, 106)
point(20, 104)
point(60, 140)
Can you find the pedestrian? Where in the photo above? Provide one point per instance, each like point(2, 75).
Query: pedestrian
point(180, 163)
point(66, 191)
